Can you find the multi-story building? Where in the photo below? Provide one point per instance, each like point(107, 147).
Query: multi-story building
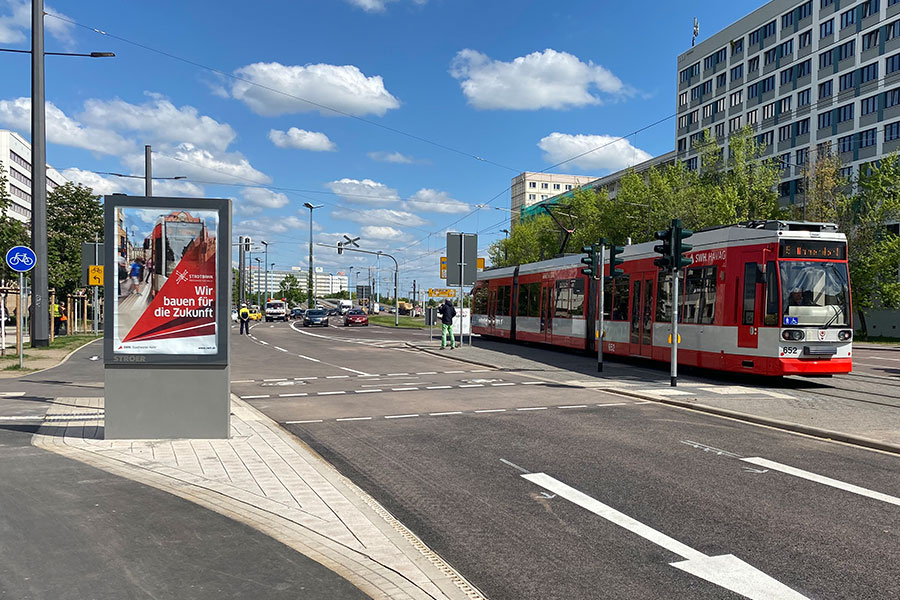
point(15, 156)
point(530, 188)
point(808, 76)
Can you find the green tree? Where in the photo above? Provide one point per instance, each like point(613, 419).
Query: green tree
point(291, 291)
point(74, 215)
point(12, 232)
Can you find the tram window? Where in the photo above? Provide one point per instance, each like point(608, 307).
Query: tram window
point(620, 300)
point(503, 294)
point(664, 298)
point(577, 309)
point(699, 296)
point(748, 311)
point(771, 317)
point(522, 304)
point(563, 295)
point(607, 298)
point(480, 300)
point(534, 300)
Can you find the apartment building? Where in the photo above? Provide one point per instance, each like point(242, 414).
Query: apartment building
point(15, 156)
point(808, 76)
point(530, 188)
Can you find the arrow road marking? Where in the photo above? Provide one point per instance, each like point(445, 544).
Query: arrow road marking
point(726, 571)
point(849, 487)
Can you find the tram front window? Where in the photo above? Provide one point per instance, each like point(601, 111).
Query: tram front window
point(815, 294)
point(179, 236)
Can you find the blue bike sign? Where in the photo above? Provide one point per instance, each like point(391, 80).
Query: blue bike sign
point(21, 259)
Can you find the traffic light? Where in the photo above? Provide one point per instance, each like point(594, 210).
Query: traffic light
point(340, 247)
point(665, 261)
point(590, 259)
point(679, 248)
point(615, 261)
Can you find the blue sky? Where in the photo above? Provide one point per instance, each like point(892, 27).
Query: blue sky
point(439, 104)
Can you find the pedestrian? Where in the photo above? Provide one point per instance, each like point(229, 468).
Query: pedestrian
point(447, 312)
point(57, 315)
point(135, 274)
point(244, 317)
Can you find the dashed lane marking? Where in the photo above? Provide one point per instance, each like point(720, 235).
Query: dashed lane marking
point(354, 371)
point(574, 406)
point(330, 393)
point(396, 374)
point(337, 377)
point(293, 395)
point(278, 379)
point(428, 373)
point(308, 358)
point(502, 384)
point(255, 397)
point(401, 416)
point(533, 408)
point(279, 349)
point(491, 410)
point(406, 389)
point(367, 391)
point(441, 414)
point(298, 422)
point(450, 372)
point(354, 419)
point(439, 387)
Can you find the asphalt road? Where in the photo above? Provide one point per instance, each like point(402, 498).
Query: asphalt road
point(629, 487)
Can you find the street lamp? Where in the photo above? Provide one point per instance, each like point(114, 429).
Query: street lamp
point(40, 332)
point(266, 266)
point(350, 284)
point(311, 207)
point(258, 288)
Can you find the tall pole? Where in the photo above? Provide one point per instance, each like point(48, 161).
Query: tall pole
point(266, 267)
point(241, 296)
point(19, 317)
point(40, 331)
point(148, 179)
point(250, 275)
point(600, 285)
point(674, 367)
point(96, 288)
point(311, 207)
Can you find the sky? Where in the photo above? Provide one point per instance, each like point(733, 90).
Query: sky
point(404, 119)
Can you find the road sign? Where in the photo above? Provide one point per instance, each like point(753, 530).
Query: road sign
point(442, 293)
point(480, 266)
point(95, 275)
point(92, 253)
point(21, 259)
point(462, 259)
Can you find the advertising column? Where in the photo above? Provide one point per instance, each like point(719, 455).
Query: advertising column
point(166, 343)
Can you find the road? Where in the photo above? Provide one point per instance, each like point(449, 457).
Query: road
point(628, 489)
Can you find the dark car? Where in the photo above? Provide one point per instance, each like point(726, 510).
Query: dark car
point(297, 313)
point(355, 316)
point(334, 312)
point(315, 316)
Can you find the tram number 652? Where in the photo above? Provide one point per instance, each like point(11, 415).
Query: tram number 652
point(790, 351)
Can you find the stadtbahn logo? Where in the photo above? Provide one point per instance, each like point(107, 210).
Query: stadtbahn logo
point(181, 276)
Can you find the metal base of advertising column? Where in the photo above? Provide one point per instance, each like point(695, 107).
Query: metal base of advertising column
point(167, 325)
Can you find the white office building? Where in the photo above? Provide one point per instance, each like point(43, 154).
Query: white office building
point(15, 155)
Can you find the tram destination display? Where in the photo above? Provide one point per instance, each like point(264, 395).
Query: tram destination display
point(815, 249)
point(166, 284)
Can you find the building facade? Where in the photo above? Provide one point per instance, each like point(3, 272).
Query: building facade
point(15, 156)
point(530, 188)
point(809, 77)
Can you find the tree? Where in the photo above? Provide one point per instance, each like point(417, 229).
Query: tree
point(291, 291)
point(74, 215)
point(12, 231)
point(825, 197)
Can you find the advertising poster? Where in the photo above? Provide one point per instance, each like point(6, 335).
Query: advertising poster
point(166, 281)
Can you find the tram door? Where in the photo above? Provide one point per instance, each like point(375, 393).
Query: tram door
point(750, 301)
point(492, 311)
point(642, 315)
point(547, 307)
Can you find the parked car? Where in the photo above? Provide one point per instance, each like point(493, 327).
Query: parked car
point(297, 313)
point(334, 312)
point(356, 316)
point(255, 315)
point(315, 316)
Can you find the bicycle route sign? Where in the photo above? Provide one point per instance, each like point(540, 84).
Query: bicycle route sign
point(21, 259)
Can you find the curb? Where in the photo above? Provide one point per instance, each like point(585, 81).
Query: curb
point(865, 346)
point(453, 357)
point(64, 359)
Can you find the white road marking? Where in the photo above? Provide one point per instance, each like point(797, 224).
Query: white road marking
point(354, 371)
point(304, 378)
point(491, 410)
point(281, 379)
point(255, 397)
point(337, 377)
point(726, 571)
point(280, 349)
point(309, 358)
point(396, 374)
point(472, 385)
point(534, 382)
point(614, 404)
point(441, 414)
point(297, 422)
point(501, 384)
point(848, 487)
point(11, 394)
point(667, 392)
point(482, 370)
point(406, 389)
point(330, 393)
point(439, 387)
point(366, 391)
point(292, 395)
point(533, 408)
point(574, 406)
point(355, 419)
point(263, 343)
point(447, 372)
point(400, 416)
point(427, 373)
point(243, 381)
point(883, 358)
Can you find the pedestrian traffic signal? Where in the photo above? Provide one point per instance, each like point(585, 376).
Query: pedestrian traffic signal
point(665, 261)
point(590, 259)
point(679, 248)
point(615, 261)
point(340, 247)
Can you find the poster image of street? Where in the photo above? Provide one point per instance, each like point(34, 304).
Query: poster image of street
point(165, 300)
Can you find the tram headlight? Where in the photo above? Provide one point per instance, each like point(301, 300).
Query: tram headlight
point(845, 335)
point(792, 335)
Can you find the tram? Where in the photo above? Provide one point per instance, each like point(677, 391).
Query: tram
point(765, 297)
point(175, 235)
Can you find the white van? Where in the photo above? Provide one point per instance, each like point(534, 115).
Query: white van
point(345, 305)
point(277, 310)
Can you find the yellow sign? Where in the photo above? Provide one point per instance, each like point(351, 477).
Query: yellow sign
point(479, 266)
point(670, 338)
point(442, 293)
point(95, 275)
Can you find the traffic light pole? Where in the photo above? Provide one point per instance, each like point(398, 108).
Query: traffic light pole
point(600, 284)
point(674, 368)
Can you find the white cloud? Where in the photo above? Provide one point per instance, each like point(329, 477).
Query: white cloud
point(263, 226)
point(63, 130)
point(302, 140)
point(199, 163)
point(382, 233)
point(428, 200)
point(365, 191)
point(161, 120)
point(106, 185)
point(272, 89)
point(547, 79)
point(378, 5)
point(16, 27)
point(379, 215)
point(392, 157)
point(612, 153)
point(265, 198)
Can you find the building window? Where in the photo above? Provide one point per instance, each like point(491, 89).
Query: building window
point(753, 90)
point(545, 186)
point(555, 186)
point(803, 98)
point(869, 8)
point(845, 113)
point(845, 144)
point(768, 111)
point(27, 165)
point(801, 156)
point(751, 117)
point(826, 59)
point(892, 131)
point(784, 133)
point(825, 120)
point(682, 144)
point(682, 122)
point(804, 68)
point(767, 84)
point(737, 46)
point(805, 10)
point(17, 192)
point(737, 72)
point(753, 38)
point(543, 196)
point(824, 3)
point(769, 56)
point(848, 18)
point(696, 93)
point(846, 173)
point(784, 161)
point(892, 30)
point(892, 98)
point(826, 28)
point(694, 116)
point(786, 48)
point(720, 105)
point(868, 73)
point(846, 81)
point(736, 97)
point(707, 87)
point(892, 64)
point(708, 111)
point(868, 105)
point(532, 196)
point(682, 98)
point(768, 29)
point(826, 88)
point(867, 138)
point(720, 130)
point(721, 80)
point(846, 50)
point(870, 40)
point(805, 39)
point(787, 20)
point(802, 127)
point(787, 75)
point(532, 184)
point(568, 187)
point(691, 164)
point(766, 139)
point(785, 105)
point(19, 177)
point(734, 124)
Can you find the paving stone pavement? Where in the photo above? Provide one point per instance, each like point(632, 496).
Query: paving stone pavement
point(266, 478)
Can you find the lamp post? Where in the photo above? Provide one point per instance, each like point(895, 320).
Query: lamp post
point(350, 284)
point(266, 267)
point(258, 287)
point(309, 298)
point(147, 176)
point(505, 249)
point(40, 333)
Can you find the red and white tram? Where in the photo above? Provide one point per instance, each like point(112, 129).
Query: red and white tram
point(768, 297)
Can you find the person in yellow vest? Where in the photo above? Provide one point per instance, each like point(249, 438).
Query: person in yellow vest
point(56, 318)
point(244, 318)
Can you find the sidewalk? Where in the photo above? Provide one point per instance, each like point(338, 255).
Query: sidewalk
point(780, 404)
point(264, 477)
